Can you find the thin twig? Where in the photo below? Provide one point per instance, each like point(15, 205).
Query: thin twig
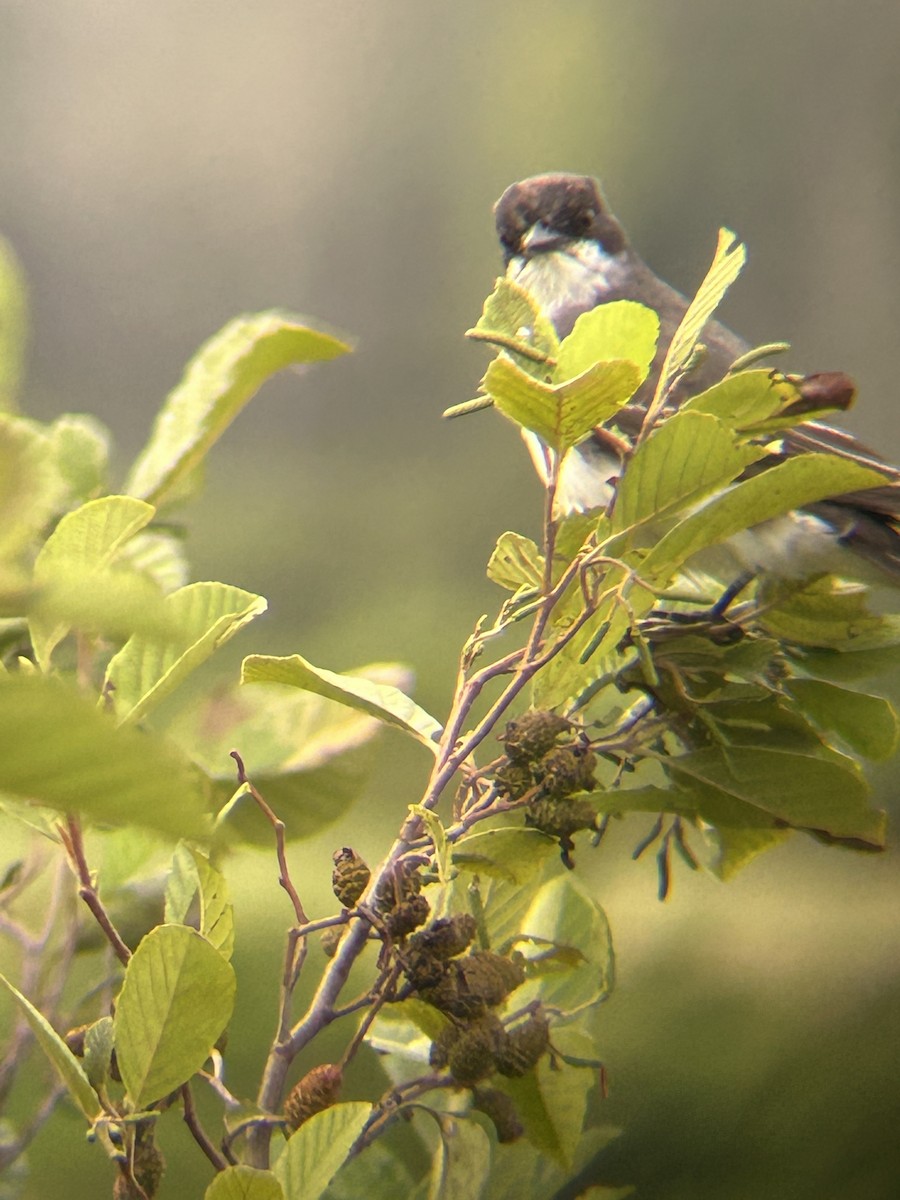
point(199, 1134)
point(74, 843)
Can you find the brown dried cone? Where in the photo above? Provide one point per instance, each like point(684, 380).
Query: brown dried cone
point(530, 736)
point(407, 916)
point(147, 1167)
point(475, 983)
point(316, 1091)
point(501, 1110)
point(561, 818)
point(350, 876)
point(523, 1046)
point(468, 1051)
point(446, 937)
point(567, 769)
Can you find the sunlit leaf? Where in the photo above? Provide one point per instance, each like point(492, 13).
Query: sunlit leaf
point(80, 445)
point(60, 750)
point(379, 700)
point(84, 540)
point(223, 376)
point(244, 1183)
point(175, 1002)
point(461, 1163)
point(561, 415)
point(683, 460)
point(727, 264)
point(551, 1103)
point(516, 562)
point(791, 484)
point(621, 329)
point(146, 670)
point(511, 318)
point(515, 854)
point(745, 399)
point(192, 875)
point(30, 485)
point(315, 1153)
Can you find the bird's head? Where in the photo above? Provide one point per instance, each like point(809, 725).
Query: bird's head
point(560, 241)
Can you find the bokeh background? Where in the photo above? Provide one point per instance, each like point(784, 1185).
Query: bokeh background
point(165, 166)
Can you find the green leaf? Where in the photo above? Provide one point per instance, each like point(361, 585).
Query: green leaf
point(438, 835)
point(108, 601)
point(461, 1163)
point(744, 400)
point(244, 1183)
point(621, 329)
point(175, 1002)
point(551, 1103)
point(223, 376)
point(62, 751)
point(379, 700)
point(376, 1174)
point(84, 541)
point(727, 264)
point(13, 325)
point(562, 913)
point(514, 853)
point(825, 612)
point(562, 415)
point(191, 876)
point(511, 317)
point(81, 451)
point(816, 794)
point(160, 556)
point(146, 670)
point(64, 1061)
point(30, 486)
point(98, 1048)
point(791, 484)
point(684, 459)
point(868, 724)
point(315, 1153)
point(516, 562)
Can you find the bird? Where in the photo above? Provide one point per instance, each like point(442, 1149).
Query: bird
point(563, 245)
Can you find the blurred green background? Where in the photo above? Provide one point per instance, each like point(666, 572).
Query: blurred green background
point(168, 165)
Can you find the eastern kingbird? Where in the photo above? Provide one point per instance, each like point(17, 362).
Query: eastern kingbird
point(563, 245)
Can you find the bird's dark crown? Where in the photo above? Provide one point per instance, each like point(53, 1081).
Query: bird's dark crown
point(570, 205)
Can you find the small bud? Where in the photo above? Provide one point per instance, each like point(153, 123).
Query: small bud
point(316, 1091)
point(530, 736)
point(523, 1046)
point(350, 876)
point(330, 938)
point(501, 1110)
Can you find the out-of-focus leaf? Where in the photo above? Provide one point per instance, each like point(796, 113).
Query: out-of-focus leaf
point(13, 325)
point(158, 555)
point(563, 914)
point(64, 1061)
point(192, 875)
point(60, 750)
point(30, 485)
point(515, 854)
point(310, 757)
point(383, 701)
point(825, 612)
point(109, 601)
point(81, 450)
point(622, 329)
point(376, 1173)
point(317, 1151)
point(146, 670)
point(551, 1104)
point(84, 541)
point(223, 376)
point(176, 1000)
point(461, 1163)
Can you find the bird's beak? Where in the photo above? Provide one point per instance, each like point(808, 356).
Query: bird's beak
point(540, 238)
